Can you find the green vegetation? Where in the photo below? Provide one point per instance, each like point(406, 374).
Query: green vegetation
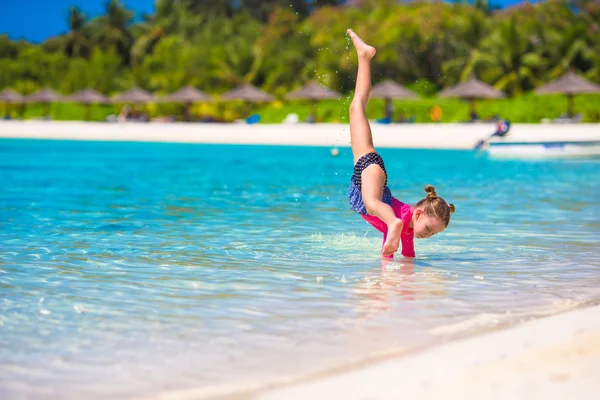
point(280, 45)
point(525, 108)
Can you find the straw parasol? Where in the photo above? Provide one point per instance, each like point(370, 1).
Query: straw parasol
point(389, 90)
point(472, 90)
point(9, 96)
point(89, 97)
point(187, 96)
point(569, 84)
point(44, 96)
point(314, 92)
point(134, 96)
point(247, 92)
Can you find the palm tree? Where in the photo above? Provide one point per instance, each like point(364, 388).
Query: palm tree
point(281, 36)
point(235, 56)
point(171, 18)
point(466, 39)
point(566, 45)
point(215, 8)
point(261, 9)
point(508, 58)
point(76, 44)
point(173, 64)
point(8, 48)
point(112, 29)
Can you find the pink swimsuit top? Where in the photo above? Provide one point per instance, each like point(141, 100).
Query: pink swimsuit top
point(404, 212)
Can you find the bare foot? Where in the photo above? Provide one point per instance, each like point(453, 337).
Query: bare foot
point(393, 238)
point(362, 49)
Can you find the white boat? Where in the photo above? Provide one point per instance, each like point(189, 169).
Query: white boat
point(544, 149)
point(546, 141)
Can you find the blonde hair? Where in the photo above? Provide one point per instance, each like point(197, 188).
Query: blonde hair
point(435, 206)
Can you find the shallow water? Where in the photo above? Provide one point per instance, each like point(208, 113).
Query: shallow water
point(128, 269)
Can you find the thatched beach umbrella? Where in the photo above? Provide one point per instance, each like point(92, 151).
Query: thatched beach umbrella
point(472, 90)
point(44, 96)
point(9, 96)
point(313, 92)
point(134, 96)
point(187, 96)
point(390, 90)
point(89, 97)
point(248, 94)
point(569, 84)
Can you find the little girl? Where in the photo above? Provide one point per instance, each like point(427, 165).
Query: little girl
point(368, 194)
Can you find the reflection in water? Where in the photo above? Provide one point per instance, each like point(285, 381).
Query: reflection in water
point(394, 280)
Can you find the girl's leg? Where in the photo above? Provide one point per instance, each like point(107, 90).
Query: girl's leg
point(360, 131)
point(373, 177)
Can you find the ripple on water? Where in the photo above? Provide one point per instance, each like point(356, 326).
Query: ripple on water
point(130, 268)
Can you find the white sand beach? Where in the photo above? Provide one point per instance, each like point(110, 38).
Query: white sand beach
point(556, 357)
point(433, 136)
point(551, 358)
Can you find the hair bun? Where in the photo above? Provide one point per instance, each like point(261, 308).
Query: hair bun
point(452, 208)
point(431, 194)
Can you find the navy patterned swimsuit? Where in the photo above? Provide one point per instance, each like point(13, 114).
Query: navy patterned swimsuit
point(354, 192)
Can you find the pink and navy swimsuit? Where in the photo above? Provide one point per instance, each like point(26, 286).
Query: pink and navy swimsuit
point(402, 210)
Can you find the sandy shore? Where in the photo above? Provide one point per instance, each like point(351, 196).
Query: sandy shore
point(439, 136)
point(551, 358)
point(556, 358)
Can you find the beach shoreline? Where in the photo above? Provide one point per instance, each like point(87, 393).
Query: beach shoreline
point(552, 357)
point(431, 136)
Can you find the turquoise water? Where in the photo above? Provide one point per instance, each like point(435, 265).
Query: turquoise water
point(128, 269)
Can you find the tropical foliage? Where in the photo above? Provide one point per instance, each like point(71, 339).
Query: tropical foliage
point(279, 45)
